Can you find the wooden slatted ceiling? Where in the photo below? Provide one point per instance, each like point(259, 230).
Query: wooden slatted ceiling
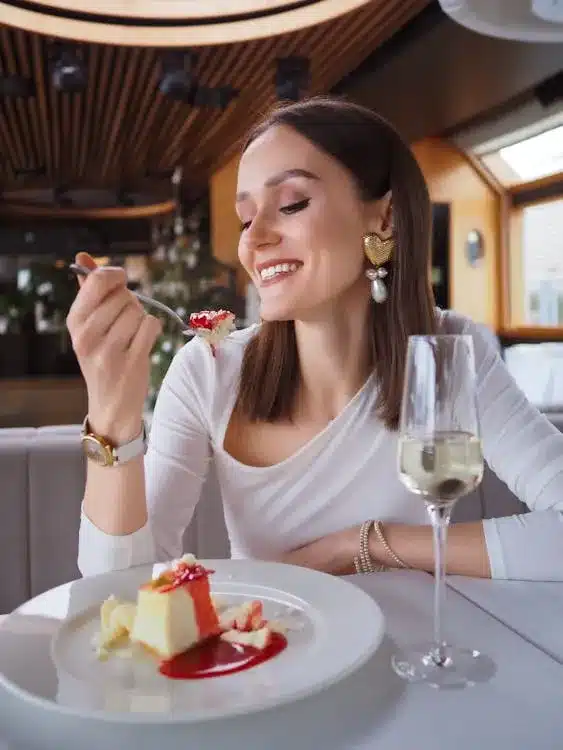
point(122, 128)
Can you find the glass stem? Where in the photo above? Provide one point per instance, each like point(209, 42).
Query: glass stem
point(440, 517)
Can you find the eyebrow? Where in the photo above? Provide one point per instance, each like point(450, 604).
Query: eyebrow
point(277, 179)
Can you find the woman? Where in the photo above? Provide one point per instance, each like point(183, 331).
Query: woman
point(299, 414)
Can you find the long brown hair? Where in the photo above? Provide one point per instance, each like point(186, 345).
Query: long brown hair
point(379, 160)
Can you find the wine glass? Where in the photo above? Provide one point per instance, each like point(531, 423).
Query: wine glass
point(440, 459)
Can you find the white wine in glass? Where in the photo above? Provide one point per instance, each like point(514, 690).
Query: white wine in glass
point(440, 459)
point(442, 467)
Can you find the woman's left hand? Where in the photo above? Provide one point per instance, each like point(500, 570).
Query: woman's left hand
point(466, 552)
point(333, 553)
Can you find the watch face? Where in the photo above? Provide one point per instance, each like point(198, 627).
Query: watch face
point(96, 451)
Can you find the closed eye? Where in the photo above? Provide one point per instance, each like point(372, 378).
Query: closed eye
point(291, 208)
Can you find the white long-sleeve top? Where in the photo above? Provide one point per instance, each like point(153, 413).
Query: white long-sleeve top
point(343, 476)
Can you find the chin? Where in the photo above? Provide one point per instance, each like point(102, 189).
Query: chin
point(277, 306)
point(281, 310)
point(270, 315)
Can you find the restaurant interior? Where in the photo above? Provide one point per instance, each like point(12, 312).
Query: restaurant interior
point(121, 127)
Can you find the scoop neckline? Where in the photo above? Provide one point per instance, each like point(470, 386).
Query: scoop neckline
point(306, 447)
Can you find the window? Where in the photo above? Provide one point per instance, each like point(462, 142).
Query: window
point(537, 264)
point(536, 157)
point(524, 155)
point(520, 156)
point(530, 159)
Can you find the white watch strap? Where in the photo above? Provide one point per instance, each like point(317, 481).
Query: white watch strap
point(132, 449)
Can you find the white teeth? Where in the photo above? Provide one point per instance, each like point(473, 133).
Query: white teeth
point(271, 271)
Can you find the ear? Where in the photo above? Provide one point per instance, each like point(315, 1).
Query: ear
point(380, 216)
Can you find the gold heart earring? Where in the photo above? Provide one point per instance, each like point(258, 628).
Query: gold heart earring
point(378, 251)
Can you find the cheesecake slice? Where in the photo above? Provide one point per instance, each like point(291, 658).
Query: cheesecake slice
point(175, 611)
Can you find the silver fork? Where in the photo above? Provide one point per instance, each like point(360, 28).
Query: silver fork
point(79, 270)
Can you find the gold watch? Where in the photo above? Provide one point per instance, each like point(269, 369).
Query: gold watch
point(100, 450)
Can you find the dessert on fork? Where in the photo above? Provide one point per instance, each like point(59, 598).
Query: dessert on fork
point(212, 326)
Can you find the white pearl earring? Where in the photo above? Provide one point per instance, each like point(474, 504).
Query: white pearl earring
point(378, 287)
point(378, 251)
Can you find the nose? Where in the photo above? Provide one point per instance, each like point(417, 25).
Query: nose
point(261, 234)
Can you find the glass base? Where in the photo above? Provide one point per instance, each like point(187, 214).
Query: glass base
point(460, 667)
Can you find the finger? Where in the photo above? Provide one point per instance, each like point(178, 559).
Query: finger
point(97, 286)
point(144, 339)
point(86, 260)
point(89, 335)
point(123, 330)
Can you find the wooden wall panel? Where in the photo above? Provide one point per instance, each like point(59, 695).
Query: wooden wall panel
point(225, 224)
point(474, 205)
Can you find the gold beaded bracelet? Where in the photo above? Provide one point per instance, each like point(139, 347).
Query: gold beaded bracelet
point(365, 557)
point(381, 536)
point(363, 562)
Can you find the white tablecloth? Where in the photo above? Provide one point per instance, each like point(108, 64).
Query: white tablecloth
point(533, 610)
point(520, 708)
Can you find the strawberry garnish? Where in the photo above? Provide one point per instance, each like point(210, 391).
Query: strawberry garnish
point(213, 326)
point(209, 319)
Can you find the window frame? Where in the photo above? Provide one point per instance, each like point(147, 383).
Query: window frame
point(515, 199)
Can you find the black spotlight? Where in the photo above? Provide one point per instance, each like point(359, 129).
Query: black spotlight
point(68, 71)
point(16, 86)
point(179, 83)
point(292, 78)
point(178, 74)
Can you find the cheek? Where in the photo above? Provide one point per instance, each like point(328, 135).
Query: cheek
point(338, 242)
point(340, 269)
point(243, 255)
point(335, 225)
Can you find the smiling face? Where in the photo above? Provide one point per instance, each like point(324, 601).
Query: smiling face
point(302, 226)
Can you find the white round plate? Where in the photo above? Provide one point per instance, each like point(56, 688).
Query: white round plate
point(335, 628)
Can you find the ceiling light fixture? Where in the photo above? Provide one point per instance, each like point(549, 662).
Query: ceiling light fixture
point(170, 23)
point(179, 83)
point(293, 77)
point(67, 70)
point(177, 73)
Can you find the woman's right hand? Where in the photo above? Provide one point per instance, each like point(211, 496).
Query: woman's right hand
point(112, 337)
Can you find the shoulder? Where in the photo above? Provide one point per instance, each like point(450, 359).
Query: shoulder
point(196, 369)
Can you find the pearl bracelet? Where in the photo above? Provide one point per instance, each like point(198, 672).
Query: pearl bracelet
point(380, 535)
point(363, 562)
